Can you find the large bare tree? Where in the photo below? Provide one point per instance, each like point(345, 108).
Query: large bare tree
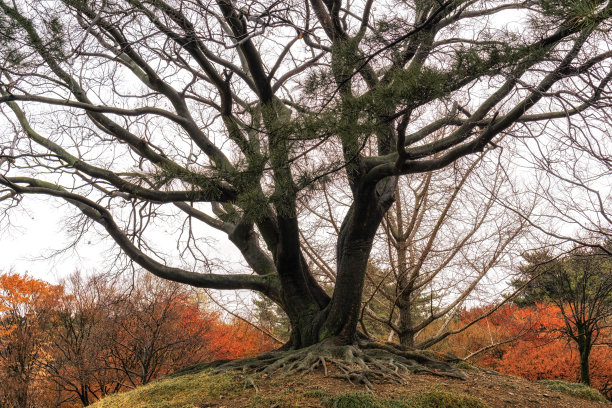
point(232, 111)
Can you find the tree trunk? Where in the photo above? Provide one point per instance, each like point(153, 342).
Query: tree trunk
point(84, 395)
point(405, 306)
point(21, 400)
point(305, 326)
point(406, 335)
point(315, 317)
point(584, 346)
point(404, 297)
point(353, 252)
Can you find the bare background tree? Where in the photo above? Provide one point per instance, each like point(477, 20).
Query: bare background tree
point(444, 232)
point(111, 336)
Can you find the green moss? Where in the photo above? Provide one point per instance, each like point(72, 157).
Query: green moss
point(315, 392)
point(285, 399)
point(186, 391)
point(278, 401)
point(433, 398)
point(354, 400)
point(574, 389)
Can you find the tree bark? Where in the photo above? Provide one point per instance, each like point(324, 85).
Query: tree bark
point(406, 335)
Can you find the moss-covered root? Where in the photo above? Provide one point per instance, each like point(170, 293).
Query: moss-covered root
point(366, 364)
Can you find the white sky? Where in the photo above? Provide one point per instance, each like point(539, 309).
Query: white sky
point(35, 233)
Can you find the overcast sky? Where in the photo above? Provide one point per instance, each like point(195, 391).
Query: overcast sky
point(37, 231)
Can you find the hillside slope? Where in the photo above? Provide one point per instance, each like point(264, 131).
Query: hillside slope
point(482, 389)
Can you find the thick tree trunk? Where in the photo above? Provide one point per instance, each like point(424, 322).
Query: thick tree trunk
point(353, 252)
point(305, 317)
point(313, 315)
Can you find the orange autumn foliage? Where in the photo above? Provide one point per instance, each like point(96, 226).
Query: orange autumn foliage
point(23, 296)
point(546, 354)
point(237, 339)
point(532, 346)
point(25, 313)
point(507, 323)
point(69, 346)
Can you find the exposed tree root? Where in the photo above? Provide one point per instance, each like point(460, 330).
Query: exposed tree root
point(367, 363)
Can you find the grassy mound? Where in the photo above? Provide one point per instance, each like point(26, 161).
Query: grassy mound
point(200, 387)
point(185, 391)
point(574, 389)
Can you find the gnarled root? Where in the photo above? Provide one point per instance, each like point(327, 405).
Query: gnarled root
point(366, 363)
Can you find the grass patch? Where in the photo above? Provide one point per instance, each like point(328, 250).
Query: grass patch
point(574, 389)
point(315, 392)
point(433, 398)
point(284, 399)
point(279, 401)
point(436, 398)
point(186, 391)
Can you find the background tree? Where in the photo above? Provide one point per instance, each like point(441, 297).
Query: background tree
point(110, 336)
point(26, 307)
point(79, 342)
point(234, 105)
point(270, 317)
point(580, 285)
point(154, 327)
point(486, 340)
point(429, 257)
point(524, 341)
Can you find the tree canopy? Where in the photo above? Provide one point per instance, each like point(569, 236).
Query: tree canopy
point(226, 114)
